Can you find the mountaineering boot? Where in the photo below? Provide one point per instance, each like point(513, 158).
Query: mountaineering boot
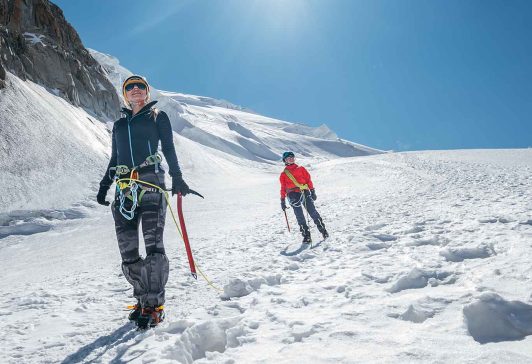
point(150, 317)
point(322, 230)
point(306, 234)
point(135, 312)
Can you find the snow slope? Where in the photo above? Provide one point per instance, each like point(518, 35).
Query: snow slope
point(428, 261)
point(51, 147)
point(51, 153)
point(44, 139)
point(237, 131)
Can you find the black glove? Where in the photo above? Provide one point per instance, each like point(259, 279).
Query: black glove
point(283, 204)
point(178, 185)
point(313, 195)
point(102, 194)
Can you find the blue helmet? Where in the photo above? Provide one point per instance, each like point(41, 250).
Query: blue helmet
point(288, 154)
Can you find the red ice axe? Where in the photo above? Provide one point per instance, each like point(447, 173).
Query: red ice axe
point(286, 218)
point(185, 235)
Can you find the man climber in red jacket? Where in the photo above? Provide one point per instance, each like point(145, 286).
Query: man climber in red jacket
point(297, 185)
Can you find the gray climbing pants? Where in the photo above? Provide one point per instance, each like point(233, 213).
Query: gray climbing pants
point(149, 275)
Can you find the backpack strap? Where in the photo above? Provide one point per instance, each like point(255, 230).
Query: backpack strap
point(294, 180)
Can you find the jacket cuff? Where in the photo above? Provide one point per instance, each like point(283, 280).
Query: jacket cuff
point(177, 174)
point(104, 186)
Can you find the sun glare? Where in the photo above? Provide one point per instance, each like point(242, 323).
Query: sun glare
point(277, 18)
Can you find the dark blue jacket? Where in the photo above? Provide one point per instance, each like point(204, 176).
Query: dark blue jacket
point(137, 137)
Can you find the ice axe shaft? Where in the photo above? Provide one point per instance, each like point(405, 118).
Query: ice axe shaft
point(286, 218)
point(185, 236)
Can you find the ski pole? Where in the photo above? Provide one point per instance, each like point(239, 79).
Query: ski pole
point(185, 236)
point(286, 218)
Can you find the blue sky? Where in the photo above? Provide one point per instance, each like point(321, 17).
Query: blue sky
point(395, 75)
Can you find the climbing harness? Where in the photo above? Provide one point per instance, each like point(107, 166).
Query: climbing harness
point(130, 189)
point(303, 199)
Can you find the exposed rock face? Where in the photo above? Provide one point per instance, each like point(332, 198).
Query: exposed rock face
point(37, 43)
point(2, 76)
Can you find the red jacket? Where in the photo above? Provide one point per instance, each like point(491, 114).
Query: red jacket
point(300, 174)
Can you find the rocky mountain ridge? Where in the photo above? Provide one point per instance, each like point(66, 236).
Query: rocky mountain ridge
point(37, 43)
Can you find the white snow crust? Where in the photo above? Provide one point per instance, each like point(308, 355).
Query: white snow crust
point(380, 289)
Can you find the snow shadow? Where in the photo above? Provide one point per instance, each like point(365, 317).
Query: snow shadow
point(416, 314)
point(461, 254)
point(340, 148)
point(493, 319)
point(103, 344)
point(422, 310)
point(418, 278)
point(28, 222)
point(292, 249)
point(240, 288)
point(378, 246)
point(209, 336)
point(245, 132)
point(29, 228)
point(209, 140)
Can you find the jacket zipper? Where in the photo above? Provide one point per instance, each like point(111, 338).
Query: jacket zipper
point(129, 134)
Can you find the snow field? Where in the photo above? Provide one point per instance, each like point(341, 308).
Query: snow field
point(428, 260)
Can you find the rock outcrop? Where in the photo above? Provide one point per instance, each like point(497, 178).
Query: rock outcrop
point(37, 43)
point(2, 76)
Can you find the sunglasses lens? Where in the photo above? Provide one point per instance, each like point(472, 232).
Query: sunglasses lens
point(141, 86)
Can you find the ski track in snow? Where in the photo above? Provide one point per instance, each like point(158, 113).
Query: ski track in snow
point(428, 261)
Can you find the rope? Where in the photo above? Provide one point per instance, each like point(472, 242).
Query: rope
point(302, 202)
point(303, 188)
point(129, 214)
point(297, 203)
point(209, 282)
point(306, 209)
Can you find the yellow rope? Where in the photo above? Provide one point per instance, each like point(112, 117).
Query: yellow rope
point(302, 188)
point(209, 282)
point(294, 180)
